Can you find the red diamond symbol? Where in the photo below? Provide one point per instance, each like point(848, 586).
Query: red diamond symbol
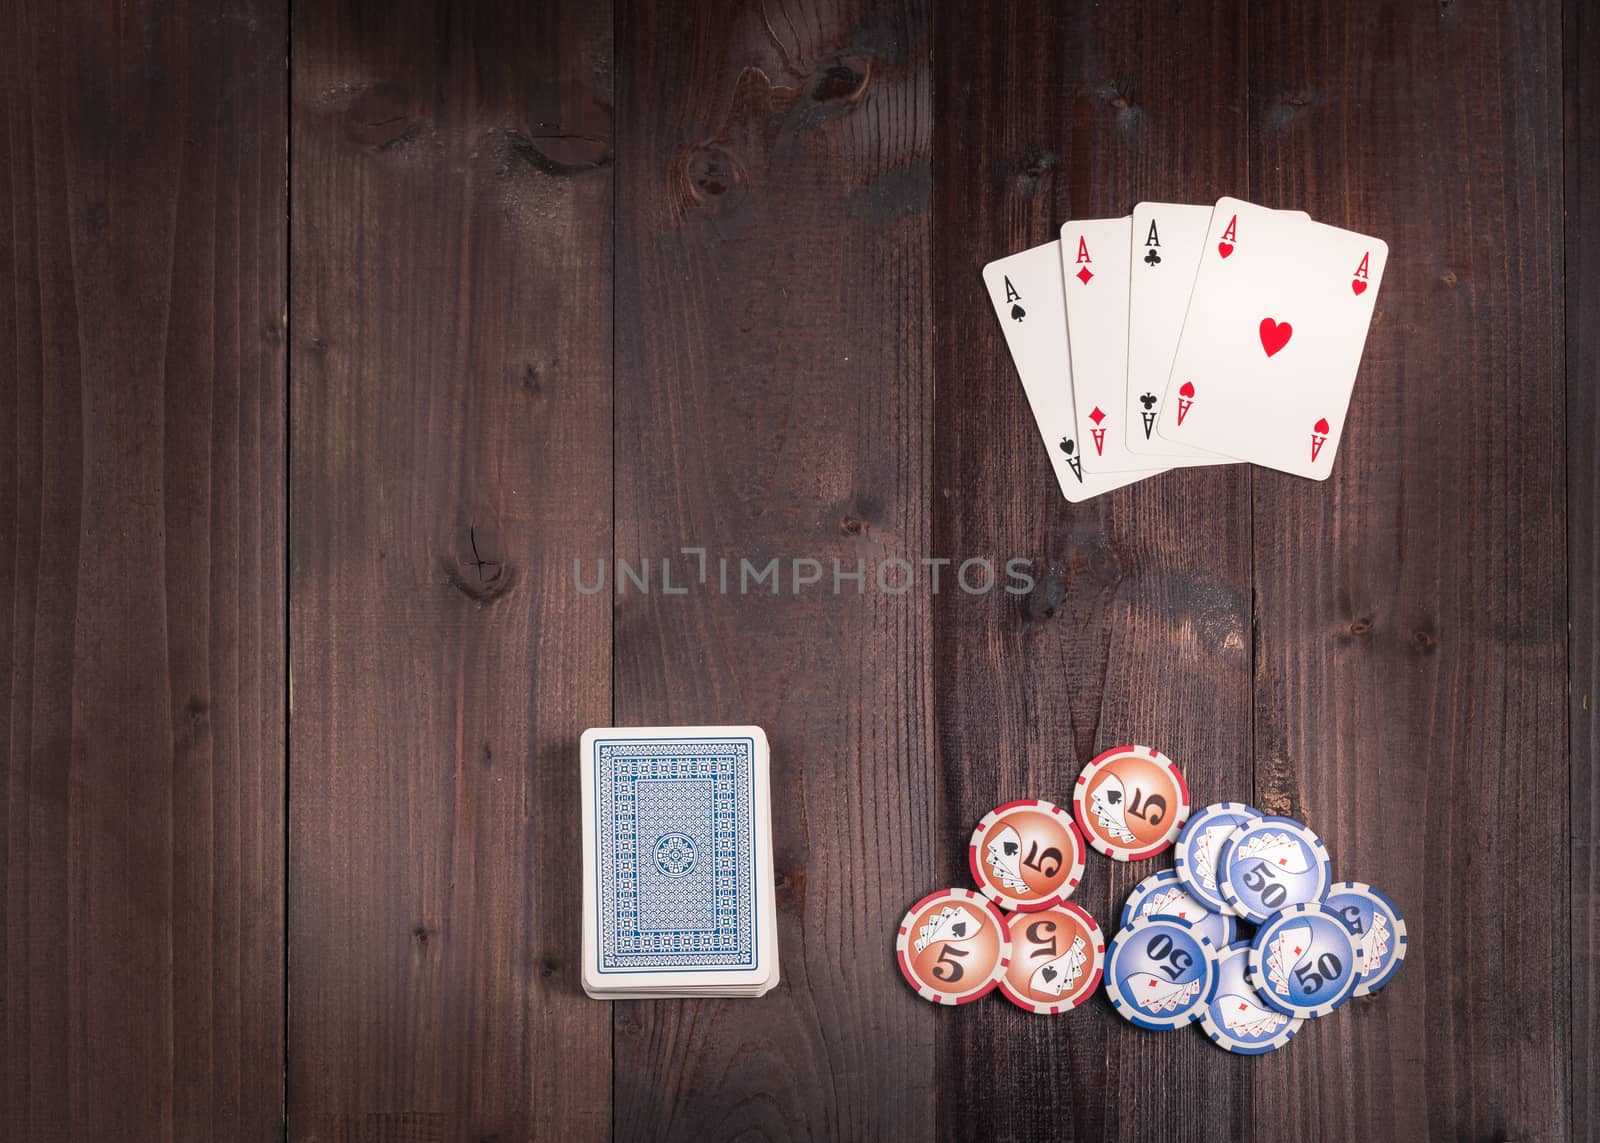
point(1097, 416)
point(1083, 275)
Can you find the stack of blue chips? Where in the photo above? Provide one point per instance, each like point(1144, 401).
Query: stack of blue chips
point(1249, 935)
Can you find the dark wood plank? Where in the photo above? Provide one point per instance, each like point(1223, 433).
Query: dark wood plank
point(1139, 628)
point(1581, 69)
point(452, 453)
point(142, 235)
point(773, 325)
point(1411, 611)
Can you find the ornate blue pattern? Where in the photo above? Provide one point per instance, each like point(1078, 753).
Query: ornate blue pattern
point(675, 854)
point(675, 851)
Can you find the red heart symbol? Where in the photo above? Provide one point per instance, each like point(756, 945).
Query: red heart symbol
point(1275, 335)
point(1186, 389)
point(1359, 286)
point(1224, 248)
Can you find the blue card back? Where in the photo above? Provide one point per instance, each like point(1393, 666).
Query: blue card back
point(675, 854)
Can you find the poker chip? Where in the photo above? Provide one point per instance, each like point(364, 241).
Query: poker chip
point(1235, 1018)
point(1163, 895)
point(1304, 962)
point(1160, 973)
point(1027, 855)
point(1195, 857)
point(1270, 865)
point(1057, 955)
point(1377, 926)
point(953, 946)
point(1131, 802)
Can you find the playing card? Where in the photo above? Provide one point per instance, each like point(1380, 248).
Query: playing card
point(1094, 263)
point(1244, 1015)
point(1168, 239)
point(1026, 290)
point(677, 862)
point(1272, 339)
point(1063, 973)
point(1154, 994)
point(1289, 948)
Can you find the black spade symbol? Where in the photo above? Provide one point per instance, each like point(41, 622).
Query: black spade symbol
point(1049, 972)
point(1011, 848)
point(1018, 313)
point(1067, 446)
point(1148, 400)
point(959, 928)
point(1114, 796)
point(1152, 259)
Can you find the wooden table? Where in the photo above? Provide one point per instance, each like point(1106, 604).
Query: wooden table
point(323, 371)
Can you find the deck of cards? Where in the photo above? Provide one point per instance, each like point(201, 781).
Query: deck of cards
point(1189, 335)
point(677, 863)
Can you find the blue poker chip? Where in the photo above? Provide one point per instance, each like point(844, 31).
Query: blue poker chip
point(1235, 1018)
point(1271, 865)
point(1304, 962)
point(1160, 973)
point(1375, 922)
point(1163, 895)
point(1199, 846)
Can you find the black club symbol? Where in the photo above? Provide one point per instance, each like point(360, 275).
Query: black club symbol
point(1148, 400)
point(1152, 259)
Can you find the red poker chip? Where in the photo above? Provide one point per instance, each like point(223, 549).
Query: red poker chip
point(1057, 957)
point(1131, 802)
point(953, 946)
point(1027, 855)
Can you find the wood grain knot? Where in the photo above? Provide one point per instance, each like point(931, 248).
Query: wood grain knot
point(851, 526)
point(560, 153)
point(1036, 164)
point(841, 79)
point(382, 117)
point(195, 723)
point(1120, 95)
point(790, 886)
point(1105, 565)
point(713, 173)
point(531, 382)
point(477, 572)
point(1424, 642)
point(1040, 605)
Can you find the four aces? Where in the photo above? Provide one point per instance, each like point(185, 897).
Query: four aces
point(1188, 335)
